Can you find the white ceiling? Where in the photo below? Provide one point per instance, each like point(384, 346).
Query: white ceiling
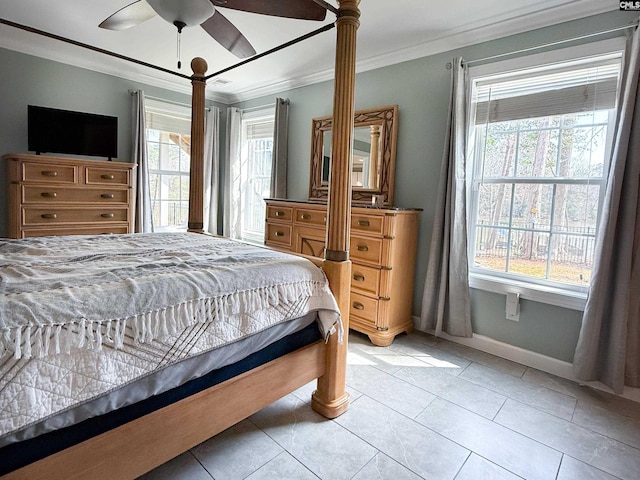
point(391, 31)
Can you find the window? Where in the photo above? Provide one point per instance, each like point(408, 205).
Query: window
point(257, 148)
point(168, 135)
point(539, 161)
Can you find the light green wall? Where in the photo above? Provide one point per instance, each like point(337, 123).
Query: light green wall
point(28, 80)
point(421, 90)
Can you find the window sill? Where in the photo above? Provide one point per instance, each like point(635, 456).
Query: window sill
point(538, 293)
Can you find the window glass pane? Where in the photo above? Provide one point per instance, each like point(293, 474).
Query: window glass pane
point(572, 259)
point(500, 150)
point(587, 146)
point(154, 182)
point(578, 212)
point(173, 187)
point(153, 135)
point(494, 204)
point(536, 149)
point(491, 248)
point(184, 186)
point(153, 155)
point(170, 157)
point(532, 206)
point(528, 253)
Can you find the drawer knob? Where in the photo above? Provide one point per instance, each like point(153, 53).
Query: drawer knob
point(49, 215)
point(279, 214)
point(305, 216)
point(279, 234)
point(107, 195)
point(49, 173)
point(363, 248)
point(358, 278)
point(364, 223)
point(107, 215)
point(107, 176)
point(49, 194)
point(358, 306)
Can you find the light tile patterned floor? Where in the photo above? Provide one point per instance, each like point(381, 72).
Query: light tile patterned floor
point(428, 408)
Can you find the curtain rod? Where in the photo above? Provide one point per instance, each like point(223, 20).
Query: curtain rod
point(164, 100)
point(538, 47)
point(258, 107)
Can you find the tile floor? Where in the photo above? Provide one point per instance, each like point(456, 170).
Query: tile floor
point(429, 408)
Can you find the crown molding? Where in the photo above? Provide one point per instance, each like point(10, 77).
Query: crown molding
point(459, 38)
point(95, 63)
point(467, 35)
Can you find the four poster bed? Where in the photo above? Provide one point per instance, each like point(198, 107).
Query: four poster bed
point(169, 423)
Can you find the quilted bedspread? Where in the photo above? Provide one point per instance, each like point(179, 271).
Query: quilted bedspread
point(81, 316)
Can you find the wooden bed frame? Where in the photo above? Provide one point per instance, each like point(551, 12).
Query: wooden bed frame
point(140, 445)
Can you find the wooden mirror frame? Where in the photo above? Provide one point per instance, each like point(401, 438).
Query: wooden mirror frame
point(387, 117)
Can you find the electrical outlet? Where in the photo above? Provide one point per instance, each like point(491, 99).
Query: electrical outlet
point(512, 310)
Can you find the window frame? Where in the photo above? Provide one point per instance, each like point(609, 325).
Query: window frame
point(262, 115)
point(531, 288)
point(183, 114)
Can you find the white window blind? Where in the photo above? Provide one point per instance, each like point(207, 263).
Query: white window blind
point(168, 118)
point(590, 86)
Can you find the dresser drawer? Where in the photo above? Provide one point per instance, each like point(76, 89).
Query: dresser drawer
point(49, 173)
point(365, 279)
point(311, 217)
point(366, 249)
point(364, 307)
point(106, 176)
point(279, 234)
point(97, 230)
point(309, 241)
point(282, 214)
point(56, 214)
point(372, 224)
point(60, 194)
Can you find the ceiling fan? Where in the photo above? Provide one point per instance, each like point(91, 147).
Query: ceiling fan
point(187, 13)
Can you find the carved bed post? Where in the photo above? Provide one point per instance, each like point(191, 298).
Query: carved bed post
point(331, 398)
point(196, 183)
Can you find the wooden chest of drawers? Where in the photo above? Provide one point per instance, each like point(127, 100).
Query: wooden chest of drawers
point(66, 196)
point(383, 250)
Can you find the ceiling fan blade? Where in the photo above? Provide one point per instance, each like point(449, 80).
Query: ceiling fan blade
point(129, 16)
point(300, 9)
point(227, 35)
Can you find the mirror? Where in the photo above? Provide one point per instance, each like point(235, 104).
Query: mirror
point(373, 157)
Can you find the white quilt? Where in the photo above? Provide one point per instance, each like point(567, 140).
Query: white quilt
point(81, 316)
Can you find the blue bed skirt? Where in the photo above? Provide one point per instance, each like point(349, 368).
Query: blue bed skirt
point(17, 455)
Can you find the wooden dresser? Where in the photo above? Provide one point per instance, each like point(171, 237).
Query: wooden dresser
point(67, 196)
point(383, 250)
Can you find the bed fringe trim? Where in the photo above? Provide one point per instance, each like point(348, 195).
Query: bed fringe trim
point(42, 340)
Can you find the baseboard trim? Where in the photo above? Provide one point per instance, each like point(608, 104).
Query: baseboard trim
point(531, 359)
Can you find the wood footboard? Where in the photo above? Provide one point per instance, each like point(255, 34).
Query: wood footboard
point(147, 442)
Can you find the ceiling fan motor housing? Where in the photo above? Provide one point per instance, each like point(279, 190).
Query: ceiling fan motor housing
point(187, 12)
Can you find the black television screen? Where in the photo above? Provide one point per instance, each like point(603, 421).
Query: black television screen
point(62, 131)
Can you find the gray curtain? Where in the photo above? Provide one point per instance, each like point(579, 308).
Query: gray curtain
point(446, 304)
point(211, 169)
point(608, 347)
point(280, 149)
point(143, 221)
point(232, 187)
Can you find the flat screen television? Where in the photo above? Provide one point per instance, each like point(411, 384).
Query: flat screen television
point(51, 130)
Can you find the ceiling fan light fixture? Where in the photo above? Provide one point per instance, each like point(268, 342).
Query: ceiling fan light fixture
point(189, 12)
